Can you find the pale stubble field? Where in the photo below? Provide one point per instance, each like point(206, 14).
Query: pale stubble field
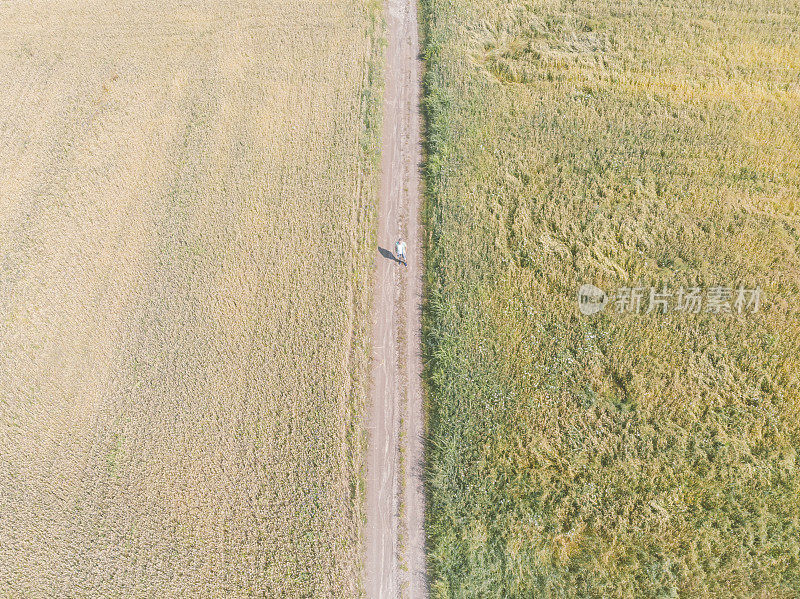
point(186, 206)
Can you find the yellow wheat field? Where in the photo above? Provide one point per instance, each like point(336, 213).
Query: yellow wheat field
point(186, 203)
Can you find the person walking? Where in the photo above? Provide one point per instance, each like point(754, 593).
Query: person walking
point(400, 250)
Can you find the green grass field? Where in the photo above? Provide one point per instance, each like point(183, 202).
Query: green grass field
point(619, 144)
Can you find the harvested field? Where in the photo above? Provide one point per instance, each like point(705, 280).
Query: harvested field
point(187, 197)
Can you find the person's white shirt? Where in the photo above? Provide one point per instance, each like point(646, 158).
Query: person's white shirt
point(400, 248)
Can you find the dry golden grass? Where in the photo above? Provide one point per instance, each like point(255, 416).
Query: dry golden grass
point(186, 204)
point(617, 143)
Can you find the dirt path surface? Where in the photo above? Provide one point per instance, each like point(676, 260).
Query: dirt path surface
point(395, 497)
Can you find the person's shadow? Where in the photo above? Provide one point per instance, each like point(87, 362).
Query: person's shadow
point(388, 255)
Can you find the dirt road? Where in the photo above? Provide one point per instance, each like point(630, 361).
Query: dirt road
point(395, 498)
